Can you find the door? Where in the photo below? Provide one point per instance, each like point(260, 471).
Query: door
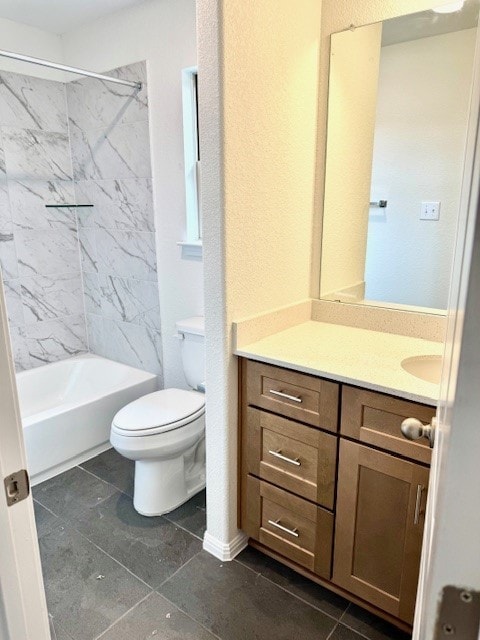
point(450, 551)
point(22, 598)
point(379, 527)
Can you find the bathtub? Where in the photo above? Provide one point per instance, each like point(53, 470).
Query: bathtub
point(67, 408)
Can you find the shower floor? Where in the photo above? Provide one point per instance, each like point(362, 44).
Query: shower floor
point(113, 574)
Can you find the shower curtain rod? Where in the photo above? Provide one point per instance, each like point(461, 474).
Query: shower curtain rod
point(64, 67)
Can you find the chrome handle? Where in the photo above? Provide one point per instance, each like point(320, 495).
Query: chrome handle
point(416, 517)
point(282, 394)
point(278, 454)
point(413, 429)
point(292, 532)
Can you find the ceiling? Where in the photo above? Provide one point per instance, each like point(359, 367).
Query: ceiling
point(60, 16)
point(428, 23)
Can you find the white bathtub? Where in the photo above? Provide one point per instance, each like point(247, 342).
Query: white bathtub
point(67, 408)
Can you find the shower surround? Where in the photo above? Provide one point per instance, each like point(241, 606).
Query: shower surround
point(80, 279)
point(38, 246)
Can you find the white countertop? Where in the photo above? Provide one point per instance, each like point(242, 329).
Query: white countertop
point(369, 359)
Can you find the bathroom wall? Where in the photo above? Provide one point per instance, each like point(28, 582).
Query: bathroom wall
point(421, 125)
point(39, 251)
point(258, 105)
point(162, 32)
point(109, 132)
point(30, 41)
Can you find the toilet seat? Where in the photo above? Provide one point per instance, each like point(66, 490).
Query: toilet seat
point(159, 412)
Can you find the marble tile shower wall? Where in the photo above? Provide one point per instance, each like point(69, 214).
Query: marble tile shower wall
point(39, 251)
point(109, 133)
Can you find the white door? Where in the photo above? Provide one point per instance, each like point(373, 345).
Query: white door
point(23, 610)
point(451, 549)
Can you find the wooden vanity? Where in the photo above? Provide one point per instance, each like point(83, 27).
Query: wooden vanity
point(331, 488)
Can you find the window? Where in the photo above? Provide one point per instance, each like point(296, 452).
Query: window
point(192, 246)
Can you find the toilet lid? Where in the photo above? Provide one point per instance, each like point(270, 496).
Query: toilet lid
point(160, 409)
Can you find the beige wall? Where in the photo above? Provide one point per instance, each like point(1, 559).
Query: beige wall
point(338, 15)
point(258, 69)
point(352, 101)
point(270, 60)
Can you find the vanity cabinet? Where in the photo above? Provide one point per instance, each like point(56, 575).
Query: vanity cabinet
point(330, 487)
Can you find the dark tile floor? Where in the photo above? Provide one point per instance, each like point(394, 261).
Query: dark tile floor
point(114, 575)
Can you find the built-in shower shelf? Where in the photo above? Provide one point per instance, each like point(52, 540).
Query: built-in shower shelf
point(67, 206)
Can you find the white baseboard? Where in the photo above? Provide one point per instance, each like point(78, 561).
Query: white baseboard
point(225, 551)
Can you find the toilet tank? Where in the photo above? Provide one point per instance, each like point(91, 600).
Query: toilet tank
point(192, 332)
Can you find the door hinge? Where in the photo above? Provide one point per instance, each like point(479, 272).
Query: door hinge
point(458, 614)
point(17, 487)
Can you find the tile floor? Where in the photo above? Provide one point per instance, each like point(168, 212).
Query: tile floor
point(114, 575)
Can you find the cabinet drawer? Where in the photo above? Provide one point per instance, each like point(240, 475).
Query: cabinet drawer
point(375, 419)
point(292, 394)
point(291, 526)
point(291, 455)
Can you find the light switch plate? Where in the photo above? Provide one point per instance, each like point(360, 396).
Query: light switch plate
point(430, 211)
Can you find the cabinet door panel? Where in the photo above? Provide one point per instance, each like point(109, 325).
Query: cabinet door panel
point(379, 527)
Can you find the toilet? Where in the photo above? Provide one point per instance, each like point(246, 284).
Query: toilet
point(164, 433)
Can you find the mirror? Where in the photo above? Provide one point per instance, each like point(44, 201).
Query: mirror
point(398, 108)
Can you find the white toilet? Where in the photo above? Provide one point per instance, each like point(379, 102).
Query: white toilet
point(164, 432)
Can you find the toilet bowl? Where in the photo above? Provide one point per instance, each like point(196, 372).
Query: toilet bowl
point(164, 433)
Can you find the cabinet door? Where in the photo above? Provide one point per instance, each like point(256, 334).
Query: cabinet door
point(379, 527)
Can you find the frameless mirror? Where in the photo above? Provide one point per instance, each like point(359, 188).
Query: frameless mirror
point(398, 107)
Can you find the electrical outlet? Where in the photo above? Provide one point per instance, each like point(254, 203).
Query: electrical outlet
point(430, 211)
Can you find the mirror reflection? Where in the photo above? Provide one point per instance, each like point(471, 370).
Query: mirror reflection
point(399, 96)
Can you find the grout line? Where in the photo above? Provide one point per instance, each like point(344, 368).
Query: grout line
point(175, 572)
point(214, 635)
point(44, 507)
point(71, 526)
point(246, 566)
point(66, 518)
point(359, 633)
point(347, 608)
point(104, 481)
point(329, 615)
point(124, 614)
point(291, 593)
point(182, 528)
point(330, 635)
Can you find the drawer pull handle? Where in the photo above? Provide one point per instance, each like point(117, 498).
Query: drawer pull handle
point(416, 518)
point(287, 396)
point(279, 454)
point(276, 523)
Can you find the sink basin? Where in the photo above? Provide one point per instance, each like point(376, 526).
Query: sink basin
point(428, 368)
